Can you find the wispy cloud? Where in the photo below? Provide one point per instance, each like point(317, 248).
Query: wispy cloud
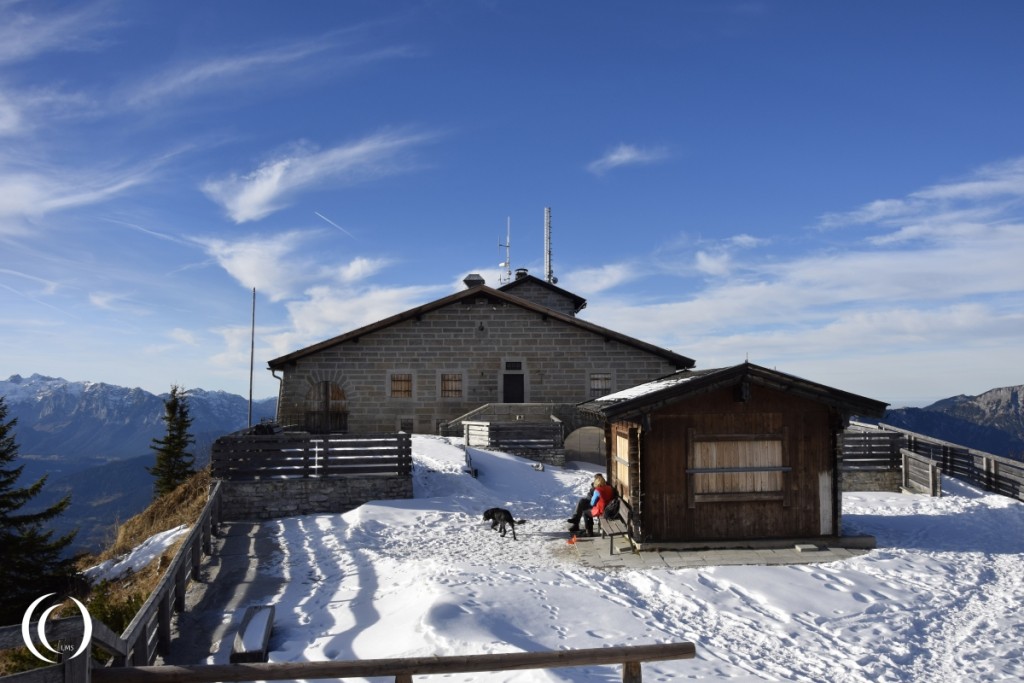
point(267, 189)
point(984, 194)
point(627, 155)
point(25, 35)
point(333, 52)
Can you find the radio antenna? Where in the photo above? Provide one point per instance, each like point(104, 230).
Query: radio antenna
point(549, 274)
point(507, 264)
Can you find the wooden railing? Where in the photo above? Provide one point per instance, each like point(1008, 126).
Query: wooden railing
point(629, 656)
point(864, 446)
point(990, 472)
point(296, 455)
point(149, 633)
point(920, 475)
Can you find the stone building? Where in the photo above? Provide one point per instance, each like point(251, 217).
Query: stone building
point(520, 343)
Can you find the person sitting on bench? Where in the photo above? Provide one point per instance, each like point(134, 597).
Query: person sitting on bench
point(591, 506)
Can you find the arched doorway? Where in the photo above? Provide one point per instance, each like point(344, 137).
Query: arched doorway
point(586, 444)
point(326, 408)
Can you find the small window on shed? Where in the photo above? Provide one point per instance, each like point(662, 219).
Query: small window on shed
point(600, 384)
point(724, 468)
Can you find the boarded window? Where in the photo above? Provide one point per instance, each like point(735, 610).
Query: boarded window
point(600, 384)
point(451, 385)
point(401, 385)
point(724, 468)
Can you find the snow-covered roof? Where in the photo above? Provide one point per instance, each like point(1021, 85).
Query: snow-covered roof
point(686, 382)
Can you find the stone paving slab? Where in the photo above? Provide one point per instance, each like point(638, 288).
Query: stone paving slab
point(594, 552)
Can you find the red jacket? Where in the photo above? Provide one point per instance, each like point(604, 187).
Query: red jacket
point(602, 494)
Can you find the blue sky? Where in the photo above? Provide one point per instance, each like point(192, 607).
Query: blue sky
point(835, 190)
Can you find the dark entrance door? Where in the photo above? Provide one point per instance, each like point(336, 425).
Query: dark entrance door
point(514, 389)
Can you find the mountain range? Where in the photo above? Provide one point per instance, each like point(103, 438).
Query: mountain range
point(93, 441)
point(992, 422)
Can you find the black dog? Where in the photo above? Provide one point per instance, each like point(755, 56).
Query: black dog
point(500, 518)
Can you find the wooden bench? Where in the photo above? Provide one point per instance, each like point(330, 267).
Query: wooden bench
point(253, 637)
point(611, 528)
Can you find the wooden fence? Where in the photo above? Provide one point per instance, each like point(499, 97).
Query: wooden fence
point(870, 449)
point(864, 446)
point(149, 633)
point(514, 436)
point(990, 472)
point(297, 455)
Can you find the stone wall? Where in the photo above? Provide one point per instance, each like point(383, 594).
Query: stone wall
point(275, 498)
point(871, 480)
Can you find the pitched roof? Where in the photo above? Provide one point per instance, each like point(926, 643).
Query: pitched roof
point(579, 303)
point(687, 383)
point(470, 294)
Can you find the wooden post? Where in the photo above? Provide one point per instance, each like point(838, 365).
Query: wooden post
point(197, 556)
point(163, 625)
point(78, 669)
point(631, 673)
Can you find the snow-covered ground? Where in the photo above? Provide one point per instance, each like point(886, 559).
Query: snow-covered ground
point(938, 600)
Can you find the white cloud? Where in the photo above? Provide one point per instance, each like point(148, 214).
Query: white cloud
point(713, 263)
point(24, 36)
point(266, 263)
point(183, 336)
point(943, 203)
point(268, 188)
point(26, 196)
point(626, 155)
point(359, 268)
point(218, 73)
point(588, 281)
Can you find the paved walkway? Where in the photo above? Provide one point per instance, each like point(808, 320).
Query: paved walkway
point(231, 581)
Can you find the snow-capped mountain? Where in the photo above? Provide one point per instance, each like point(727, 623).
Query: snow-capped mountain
point(75, 420)
point(92, 440)
point(992, 422)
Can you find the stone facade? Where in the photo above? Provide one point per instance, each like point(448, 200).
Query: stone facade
point(545, 294)
point(430, 365)
point(871, 480)
point(275, 498)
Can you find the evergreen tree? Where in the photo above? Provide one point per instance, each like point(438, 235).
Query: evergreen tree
point(173, 461)
point(32, 559)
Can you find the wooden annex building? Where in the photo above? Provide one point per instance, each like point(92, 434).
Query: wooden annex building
point(729, 454)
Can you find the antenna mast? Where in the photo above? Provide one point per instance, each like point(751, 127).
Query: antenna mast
point(507, 264)
point(549, 274)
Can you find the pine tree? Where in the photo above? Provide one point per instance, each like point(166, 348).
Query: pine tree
point(173, 461)
point(33, 562)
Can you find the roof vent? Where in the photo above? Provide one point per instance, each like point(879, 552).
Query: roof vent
point(473, 280)
point(521, 273)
